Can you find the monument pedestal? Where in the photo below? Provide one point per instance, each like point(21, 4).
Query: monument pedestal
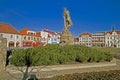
point(67, 37)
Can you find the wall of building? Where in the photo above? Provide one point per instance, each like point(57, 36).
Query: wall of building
point(16, 38)
point(98, 39)
point(44, 37)
point(112, 40)
point(85, 40)
point(53, 39)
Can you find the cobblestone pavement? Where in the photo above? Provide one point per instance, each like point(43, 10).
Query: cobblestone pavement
point(13, 73)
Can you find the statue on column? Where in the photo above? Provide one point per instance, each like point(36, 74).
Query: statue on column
point(67, 37)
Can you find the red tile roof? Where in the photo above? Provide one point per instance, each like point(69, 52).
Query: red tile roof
point(76, 39)
point(118, 32)
point(85, 33)
point(24, 31)
point(110, 32)
point(38, 34)
point(6, 28)
point(50, 32)
point(58, 33)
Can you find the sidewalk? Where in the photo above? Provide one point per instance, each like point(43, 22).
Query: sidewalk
point(50, 71)
point(12, 69)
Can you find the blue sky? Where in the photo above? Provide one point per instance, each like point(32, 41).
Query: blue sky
point(87, 15)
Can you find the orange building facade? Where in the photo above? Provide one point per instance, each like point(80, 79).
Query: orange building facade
point(30, 38)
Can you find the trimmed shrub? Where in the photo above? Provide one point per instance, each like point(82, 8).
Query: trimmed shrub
point(18, 57)
point(109, 57)
point(80, 57)
point(56, 54)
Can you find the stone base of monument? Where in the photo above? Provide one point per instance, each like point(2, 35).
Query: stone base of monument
point(67, 38)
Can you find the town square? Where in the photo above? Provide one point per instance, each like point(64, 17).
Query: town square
point(59, 40)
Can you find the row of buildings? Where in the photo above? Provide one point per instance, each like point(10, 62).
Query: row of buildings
point(29, 38)
point(100, 39)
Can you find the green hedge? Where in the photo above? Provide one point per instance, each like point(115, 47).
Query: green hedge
point(56, 54)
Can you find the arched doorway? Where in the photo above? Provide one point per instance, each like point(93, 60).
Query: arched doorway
point(11, 44)
point(17, 44)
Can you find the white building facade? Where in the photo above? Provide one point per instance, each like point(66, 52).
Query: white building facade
point(50, 37)
point(54, 38)
point(12, 36)
point(85, 39)
point(98, 39)
point(112, 39)
point(13, 40)
point(44, 36)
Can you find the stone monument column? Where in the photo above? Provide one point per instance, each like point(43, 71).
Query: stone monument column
point(66, 36)
point(3, 51)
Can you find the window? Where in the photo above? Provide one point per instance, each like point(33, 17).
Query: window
point(31, 38)
point(34, 38)
point(17, 36)
point(28, 38)
point(11, 44)
point(1, 35)
point(17, 44)
point(44, 39)
point(31, 33)
point(11, 36)
point(24, 37)
point(37, 39)
point(55, 39)
point(28, 32)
